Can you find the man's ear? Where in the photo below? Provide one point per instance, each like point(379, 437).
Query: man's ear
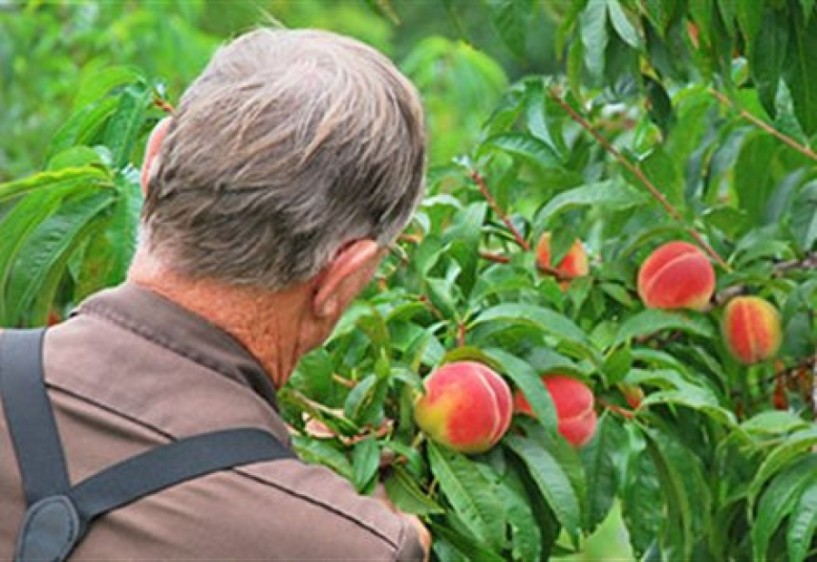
point(155, 139)
point(344, 277)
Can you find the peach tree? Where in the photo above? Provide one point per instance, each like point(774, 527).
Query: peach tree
point(675, 147)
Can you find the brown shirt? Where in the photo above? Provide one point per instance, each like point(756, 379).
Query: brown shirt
point(132, 370)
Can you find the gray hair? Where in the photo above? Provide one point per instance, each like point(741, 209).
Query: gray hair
point(290, 144)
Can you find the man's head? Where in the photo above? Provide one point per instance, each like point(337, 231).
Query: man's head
point(290, 146)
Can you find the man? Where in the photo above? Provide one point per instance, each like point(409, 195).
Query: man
point(270, 197)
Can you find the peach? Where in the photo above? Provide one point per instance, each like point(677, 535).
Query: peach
point(751, 329)
point(574, 407)
point(676, 275)
point(573, 265)
point(466, 407)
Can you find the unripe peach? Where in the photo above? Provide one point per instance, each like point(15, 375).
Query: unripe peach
point(466, 407)
point(574, 407)
point(751, 329)
point(676, 275)
point(573, 265)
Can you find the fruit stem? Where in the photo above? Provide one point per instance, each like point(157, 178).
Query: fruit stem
point(636, 171)
point(483, 188)
point(802, 149)
point(162, 104)
point(616, 409)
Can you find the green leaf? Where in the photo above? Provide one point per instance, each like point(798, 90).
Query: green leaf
point(83, 127)
point(529, 382)
point(97, 85)
point(624, 26)
point(600, 471)
point(527, 147)
point(526, 539)
point(750, 20)
point(663, 172)
point(469, 493)
point(651, 321)
point(687, 493)
point(753, 174)
point(780, 499)
point(642, 500)
point(802, 523)
point(801, 71)
point(110, 252)
point(43, 256)
point(365, 463)
point(315, 451)
point(546, 320)
point(695, 397)
point(614, 194)
point(75, 157)
point(125, 125)
point(313, 376)
point(768, 55)
point(593, 22)
point(469, 548)
point(511, 20)
point(404, 491)
point(551, 480)
point(773, 422)
point(793, 446)
point(804, 216)
point(364, 405)
point(53, 180)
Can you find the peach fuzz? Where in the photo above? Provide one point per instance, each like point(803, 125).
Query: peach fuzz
point(466, 407)
point(574, 404)
point(676, 275)
point(751, 329)
point(573, 265)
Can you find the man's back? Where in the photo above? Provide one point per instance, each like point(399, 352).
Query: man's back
point(134, 371)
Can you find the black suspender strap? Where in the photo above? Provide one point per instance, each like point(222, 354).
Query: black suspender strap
point(171, 464)
point(58, 515)
point(28, 411)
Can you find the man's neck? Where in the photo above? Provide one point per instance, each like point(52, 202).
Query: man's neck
point(271, 325)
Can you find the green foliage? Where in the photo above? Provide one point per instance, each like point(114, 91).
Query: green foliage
point(671, 120)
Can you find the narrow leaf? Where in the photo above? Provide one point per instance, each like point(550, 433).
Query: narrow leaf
point(469, 493)
point(551, 480)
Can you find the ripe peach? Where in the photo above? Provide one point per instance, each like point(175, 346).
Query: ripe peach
point(573, 265)
point(466, 407)
point(574, 407)
point(751, 329)
point(676, 275)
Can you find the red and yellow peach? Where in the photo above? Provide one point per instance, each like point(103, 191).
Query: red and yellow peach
point(676, 275)
point(573, 264)
point(466, 407)
point(574, 403)
point(751, 329)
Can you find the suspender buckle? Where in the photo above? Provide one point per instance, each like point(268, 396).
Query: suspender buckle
point(51, 529)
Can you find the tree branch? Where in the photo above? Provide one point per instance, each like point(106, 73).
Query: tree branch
point(483, 188)
point(802, 149)
point(636, 171)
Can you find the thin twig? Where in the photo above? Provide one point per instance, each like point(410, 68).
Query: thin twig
point(802, 149)
point(483, 188)
point(496, 258)
point(778, 269)
point(636, 171)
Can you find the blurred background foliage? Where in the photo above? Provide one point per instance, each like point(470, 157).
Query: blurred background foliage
point(48, 48)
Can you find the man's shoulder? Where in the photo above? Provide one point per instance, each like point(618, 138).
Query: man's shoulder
point(324, 502)
point(296, 510)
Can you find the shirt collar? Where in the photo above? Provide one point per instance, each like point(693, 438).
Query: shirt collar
point(174, 327)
